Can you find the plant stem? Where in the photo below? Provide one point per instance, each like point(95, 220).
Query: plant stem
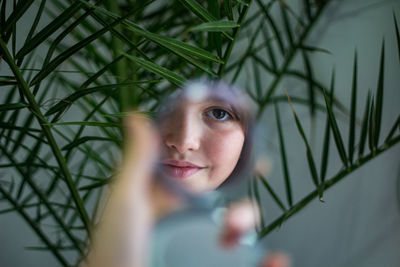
point(43, 199)
point(47, 132)
point(35, 228)
point(328, 183)
point(235, 35)
point(287, 62)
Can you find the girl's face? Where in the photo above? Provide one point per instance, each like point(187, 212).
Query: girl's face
point(201, 143)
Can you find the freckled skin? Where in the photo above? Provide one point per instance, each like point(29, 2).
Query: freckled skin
point(190, 133)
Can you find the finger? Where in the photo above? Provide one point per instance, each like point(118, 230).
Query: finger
point(140, 148)
point(276, 259)
point(240, 218)
point(140, 156)
point(141, 137)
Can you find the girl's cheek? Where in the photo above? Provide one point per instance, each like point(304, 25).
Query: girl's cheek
point(225, 146)
point(222, 127)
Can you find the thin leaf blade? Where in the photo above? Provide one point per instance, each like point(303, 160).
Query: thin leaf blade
point(335, 130)
point(353, 110)
point(272, 192)
point(310, 159)
point(285, 166)
point(216, 26)
point(163, 72)
point(379, 96)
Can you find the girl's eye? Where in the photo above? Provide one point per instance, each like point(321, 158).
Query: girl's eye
point(218, 114)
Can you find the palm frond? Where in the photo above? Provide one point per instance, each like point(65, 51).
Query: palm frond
point(61, 115)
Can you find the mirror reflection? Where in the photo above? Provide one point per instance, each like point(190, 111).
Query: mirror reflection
point(203, 131)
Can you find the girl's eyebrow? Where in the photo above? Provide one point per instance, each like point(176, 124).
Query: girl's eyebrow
point(219, 100)
point(216, 98)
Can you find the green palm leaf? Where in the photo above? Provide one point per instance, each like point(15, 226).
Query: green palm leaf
point(60, 115)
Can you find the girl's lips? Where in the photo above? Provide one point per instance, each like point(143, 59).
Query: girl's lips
point(180, 169)
point(180, 163)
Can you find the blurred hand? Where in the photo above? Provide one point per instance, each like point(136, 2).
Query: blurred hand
point(135, 201)
point(240, 218)
point(275, 259)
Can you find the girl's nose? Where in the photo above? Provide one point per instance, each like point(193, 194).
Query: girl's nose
point(184, 134)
